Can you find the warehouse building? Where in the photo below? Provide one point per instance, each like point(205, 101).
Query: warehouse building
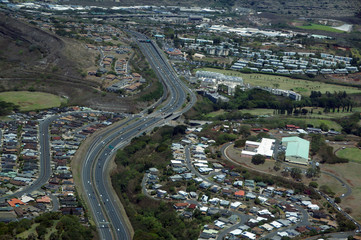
point(297, 150)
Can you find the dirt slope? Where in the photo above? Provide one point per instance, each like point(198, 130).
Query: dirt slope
point(33, 58)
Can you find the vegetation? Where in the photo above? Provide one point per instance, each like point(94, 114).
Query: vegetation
point(153, 95)
point(331, 101)
point(151, 219)
point(344, 223)
point(54, 225)
point(27, 101)
point(313, 184)
point(352, 154)
point(240, 143)
point(303, 87)
point(326, 189)
point(350, 124)
point(7, 107)
point(313, 26)
point(258, 159)
point(319, 146)
point(296, 173)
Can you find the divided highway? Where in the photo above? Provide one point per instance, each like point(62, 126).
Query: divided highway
point(99, 195)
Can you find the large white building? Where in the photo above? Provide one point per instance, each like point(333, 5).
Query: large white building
point(265, 148)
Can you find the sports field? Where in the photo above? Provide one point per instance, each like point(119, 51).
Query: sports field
point(303, 87)
point(29, 101)
point(313, 26)
point(352, 154)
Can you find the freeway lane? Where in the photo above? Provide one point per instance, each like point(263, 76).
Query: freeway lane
point(98, 188)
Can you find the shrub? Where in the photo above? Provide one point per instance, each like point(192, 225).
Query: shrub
point(258, 159)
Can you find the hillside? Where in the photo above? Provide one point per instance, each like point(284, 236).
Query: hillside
point(32, 59)
point(26, 50)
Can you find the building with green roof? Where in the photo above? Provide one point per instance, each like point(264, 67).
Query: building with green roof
point(297, 150)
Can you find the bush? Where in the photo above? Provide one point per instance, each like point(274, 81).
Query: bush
point(258, 159)
point(296, 173)
point(313, 184)
point(240, 143)
point(327, 190)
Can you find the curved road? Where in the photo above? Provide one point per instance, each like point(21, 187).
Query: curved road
point(102, 200)
point(348, 188)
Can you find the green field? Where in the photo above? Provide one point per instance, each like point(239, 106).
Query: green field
point(258, 111)
point(313, 26)
point(318, 122)
point(29, 101)
point(303, 87)
point(331, 114)
point(352, 154)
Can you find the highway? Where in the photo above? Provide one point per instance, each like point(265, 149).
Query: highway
point(101, 200)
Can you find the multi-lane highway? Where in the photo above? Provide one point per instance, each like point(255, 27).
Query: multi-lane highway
point(99, 195)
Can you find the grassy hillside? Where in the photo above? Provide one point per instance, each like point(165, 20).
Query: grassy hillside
point(28, 101)
point(31, 58)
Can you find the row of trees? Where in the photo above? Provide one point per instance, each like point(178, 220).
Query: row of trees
point(332, 101)
point(7, 107)
point(257, 98)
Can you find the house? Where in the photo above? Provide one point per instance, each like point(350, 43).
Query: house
point(180, 205)
point(15, 202)
point(297, 150)
point(239, 194)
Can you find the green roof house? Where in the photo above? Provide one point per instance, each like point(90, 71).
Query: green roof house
point(297, 150)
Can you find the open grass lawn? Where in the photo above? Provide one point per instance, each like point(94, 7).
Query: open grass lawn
point(318, 122)
point(303, 87)
point(320, 27)
point(331, 114)
point(350, 172)
point(352, 154)
point(254, 111)
point(258, 111)
point(29, 101)
point(323, 117)
point(215, 113)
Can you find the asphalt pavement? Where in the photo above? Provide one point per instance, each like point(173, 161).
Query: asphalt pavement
point(102, 201)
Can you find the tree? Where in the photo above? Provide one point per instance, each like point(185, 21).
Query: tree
point(324, 127)
point(258, 159)
point(337, 200)
point(296, 173)
point(313, 184)
point(277, 166)
point(281, 156)
point(41, 230)
point(245, 131)
point(240, 143)
point(311, 172)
